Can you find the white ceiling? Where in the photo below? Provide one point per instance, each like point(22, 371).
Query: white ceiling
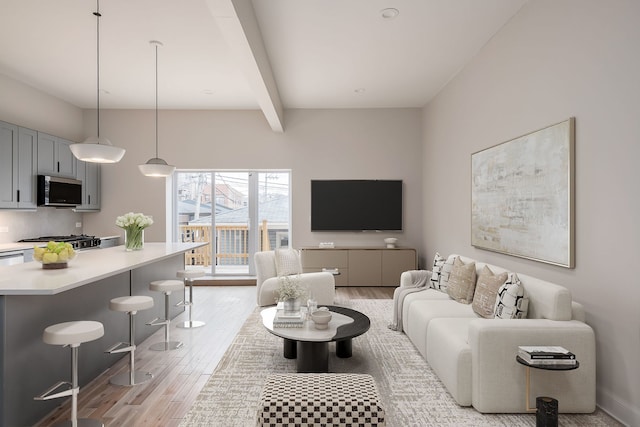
point(243, 54)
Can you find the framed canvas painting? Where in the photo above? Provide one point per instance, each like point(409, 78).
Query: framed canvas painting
point(522, 196)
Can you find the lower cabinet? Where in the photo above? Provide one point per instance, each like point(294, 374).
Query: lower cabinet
point(355, 266)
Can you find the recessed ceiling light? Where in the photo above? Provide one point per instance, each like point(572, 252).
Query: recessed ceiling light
point(207, 92)
point(360, 90)
point(389, 13)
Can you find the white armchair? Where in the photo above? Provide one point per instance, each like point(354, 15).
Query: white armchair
point(321, 285)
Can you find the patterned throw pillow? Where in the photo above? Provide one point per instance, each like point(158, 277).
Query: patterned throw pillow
point(288, 262)
point(512, 301)
point(484, 298)
point(462, 281)
point(436, 271)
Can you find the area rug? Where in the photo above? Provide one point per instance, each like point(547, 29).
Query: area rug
point(411, 393)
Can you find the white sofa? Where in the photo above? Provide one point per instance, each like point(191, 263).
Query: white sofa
point(320, 285)
point(474, 357)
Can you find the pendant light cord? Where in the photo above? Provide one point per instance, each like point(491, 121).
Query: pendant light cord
point(156, 101)
point(97, 15)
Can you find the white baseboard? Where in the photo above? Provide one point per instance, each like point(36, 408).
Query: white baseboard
point(623, 412)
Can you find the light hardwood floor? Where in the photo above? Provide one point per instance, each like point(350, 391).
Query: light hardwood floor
point(178, 375)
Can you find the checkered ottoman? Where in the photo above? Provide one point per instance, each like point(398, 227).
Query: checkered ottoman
point(320, 400)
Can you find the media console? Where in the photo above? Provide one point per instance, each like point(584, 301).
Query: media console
point(360, 266)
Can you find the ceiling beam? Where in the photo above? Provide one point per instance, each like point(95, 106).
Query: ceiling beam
point(239, 27)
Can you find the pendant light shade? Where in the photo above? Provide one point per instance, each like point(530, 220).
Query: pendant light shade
point(97, 149)
point(156, 167)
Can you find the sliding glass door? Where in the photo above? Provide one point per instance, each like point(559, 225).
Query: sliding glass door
point(237, 212)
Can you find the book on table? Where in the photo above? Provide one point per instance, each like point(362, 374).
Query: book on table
point(286, 319)
point(546, 355)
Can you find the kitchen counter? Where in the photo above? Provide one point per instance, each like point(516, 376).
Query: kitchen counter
point(32, 298)
point(88, 266)
point(8, 247)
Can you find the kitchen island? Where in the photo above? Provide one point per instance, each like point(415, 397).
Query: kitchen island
point(32, 298)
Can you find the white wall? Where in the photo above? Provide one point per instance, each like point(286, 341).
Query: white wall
point(554, 60)
point(316, 144)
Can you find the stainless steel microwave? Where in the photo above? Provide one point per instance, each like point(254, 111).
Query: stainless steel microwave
point(59, 192)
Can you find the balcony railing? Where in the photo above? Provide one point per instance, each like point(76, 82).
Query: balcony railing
point(231, 240)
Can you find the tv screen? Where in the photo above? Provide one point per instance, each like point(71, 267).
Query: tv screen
point(356, 205)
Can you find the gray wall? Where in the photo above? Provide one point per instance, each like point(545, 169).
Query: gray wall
point(316, 144)
point(554, 60)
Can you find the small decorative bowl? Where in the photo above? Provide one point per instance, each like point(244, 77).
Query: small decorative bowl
point(321, 318)
point(54, 256)
point(391, 242)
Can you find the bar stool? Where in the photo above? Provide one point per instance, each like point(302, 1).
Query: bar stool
point(72, 334)
point(166, 286)
point(130, 305)
point(189, 276)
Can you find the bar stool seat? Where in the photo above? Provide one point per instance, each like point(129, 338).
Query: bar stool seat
point(71, 334)
point(130, 305)
point(165, 286)
point(189, 276)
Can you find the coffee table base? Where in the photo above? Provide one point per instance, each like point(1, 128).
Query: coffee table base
point(313, 357)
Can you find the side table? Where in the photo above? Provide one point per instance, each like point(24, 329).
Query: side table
point(547, 367)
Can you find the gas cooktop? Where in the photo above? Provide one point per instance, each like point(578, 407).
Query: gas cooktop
point(78, 241)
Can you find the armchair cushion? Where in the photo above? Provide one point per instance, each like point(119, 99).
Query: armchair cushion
point(288, 262)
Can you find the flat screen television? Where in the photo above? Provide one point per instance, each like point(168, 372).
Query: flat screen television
point(356, 205)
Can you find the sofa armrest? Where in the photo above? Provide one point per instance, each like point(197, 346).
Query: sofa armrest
point(406, 279)
point(498, 381)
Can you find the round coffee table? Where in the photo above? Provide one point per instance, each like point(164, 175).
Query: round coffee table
point(310, 346)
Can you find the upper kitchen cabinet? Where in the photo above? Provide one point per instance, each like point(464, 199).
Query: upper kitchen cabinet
point(55, 157)
point(18, 163)
point(89, 174)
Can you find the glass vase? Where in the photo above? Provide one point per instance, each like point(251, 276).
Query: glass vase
point(133, 240)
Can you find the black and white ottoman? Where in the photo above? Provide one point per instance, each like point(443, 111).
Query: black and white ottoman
point(320, 400)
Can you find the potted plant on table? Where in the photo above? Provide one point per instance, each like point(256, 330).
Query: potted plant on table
point(290, 292)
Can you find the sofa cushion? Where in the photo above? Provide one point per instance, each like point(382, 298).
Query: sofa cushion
point(422, 311)
point(288, 262)
point(449, 355)
point(512, 301)
point(462, 281)
point(443, 273)
point(486, 293)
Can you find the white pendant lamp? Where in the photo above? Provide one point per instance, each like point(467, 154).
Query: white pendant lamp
point(156, 166)
point(97, 149)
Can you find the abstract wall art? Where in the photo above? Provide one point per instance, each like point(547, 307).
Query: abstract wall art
point(522, 196)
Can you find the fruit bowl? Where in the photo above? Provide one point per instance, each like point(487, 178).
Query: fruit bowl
point(54, 255)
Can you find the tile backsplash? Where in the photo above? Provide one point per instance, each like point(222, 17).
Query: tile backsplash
point(46, 221)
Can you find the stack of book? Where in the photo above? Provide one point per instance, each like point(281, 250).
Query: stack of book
point(546, 355)
point(286, 319)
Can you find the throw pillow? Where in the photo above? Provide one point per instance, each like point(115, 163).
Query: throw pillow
point(512, 301)
point(436, 272)
point(288, 262)
point(484, 298)
point(462, 281)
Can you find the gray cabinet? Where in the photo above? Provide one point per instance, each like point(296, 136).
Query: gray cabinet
point(89, 174)
point(55, 156)
point(364, 266)
point(18, 162)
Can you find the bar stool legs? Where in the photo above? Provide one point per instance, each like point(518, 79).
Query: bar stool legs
point(71, 334)
point(130, 305)
point(166, 286)
point(188, 276)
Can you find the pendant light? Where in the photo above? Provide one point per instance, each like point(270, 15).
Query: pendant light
point(97, 149)
point(156, 166)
